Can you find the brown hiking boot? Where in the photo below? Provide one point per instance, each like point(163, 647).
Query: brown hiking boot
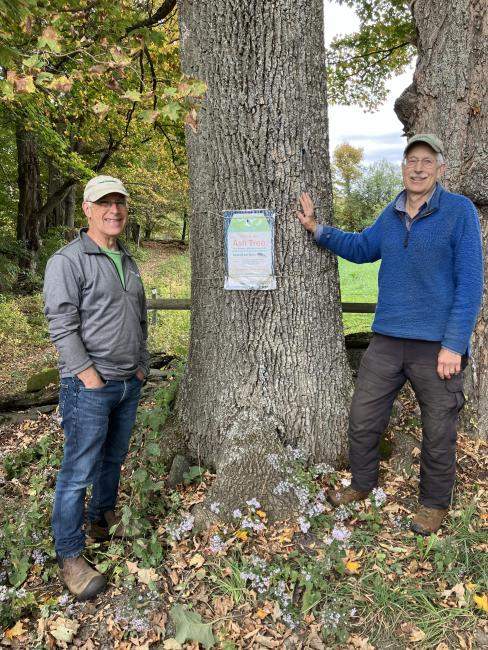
point(83, 581)
point(344, 497)
point(427, 520)
point(100, 530)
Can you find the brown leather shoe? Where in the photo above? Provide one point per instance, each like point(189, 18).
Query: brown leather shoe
point(427, 520)
point(344, 497)
point(83, 581)
point(100, 530)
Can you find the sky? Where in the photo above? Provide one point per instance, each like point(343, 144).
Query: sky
point(378, 133)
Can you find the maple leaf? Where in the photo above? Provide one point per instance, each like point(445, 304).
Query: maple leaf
point(149, 116)
point(101, 110)
point(189, 626)
point(481, 602)
point(49, 39)
point(25, 84)
point(242, 535)
point(16, 630)
point(62, 84)
point(63, 629)
point(132, 95)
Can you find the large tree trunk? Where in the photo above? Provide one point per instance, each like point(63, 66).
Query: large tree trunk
point(449, 96)
point(266, 369)
point(28, 179)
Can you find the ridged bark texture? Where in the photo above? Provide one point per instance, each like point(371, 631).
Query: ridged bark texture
point(449, 96)
point(266, 368)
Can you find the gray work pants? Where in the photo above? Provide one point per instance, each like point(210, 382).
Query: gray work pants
point(385, 367)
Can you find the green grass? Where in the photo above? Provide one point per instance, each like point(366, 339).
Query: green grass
point(359, 283)
point(172, 280)
point(171, 333)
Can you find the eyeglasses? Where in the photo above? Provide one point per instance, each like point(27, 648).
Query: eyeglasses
point(106, 204)
point(428, 163)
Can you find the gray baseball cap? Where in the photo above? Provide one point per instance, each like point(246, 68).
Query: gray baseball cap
point(101, 186)
point(429, 139)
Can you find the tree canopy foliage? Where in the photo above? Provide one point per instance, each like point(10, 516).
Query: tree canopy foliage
point(361, 63)
point(86, 86)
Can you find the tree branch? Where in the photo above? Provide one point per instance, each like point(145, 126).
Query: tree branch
point(164, 10)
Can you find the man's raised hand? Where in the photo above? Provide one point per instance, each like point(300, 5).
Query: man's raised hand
point(306, 215)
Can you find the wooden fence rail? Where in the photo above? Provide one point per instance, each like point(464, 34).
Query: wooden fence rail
point(185, 303)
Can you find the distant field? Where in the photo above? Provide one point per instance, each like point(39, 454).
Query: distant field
point(359, 283)
point(171, 278)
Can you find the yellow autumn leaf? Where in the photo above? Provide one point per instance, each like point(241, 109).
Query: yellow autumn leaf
point(353, 567)
point(470, 586)
point(197, 560)
point(481, 602)
point(262, 613)
point(261, 513)
point(242, 535)
point(147, 575)
point(16, 630)
point(286, 535)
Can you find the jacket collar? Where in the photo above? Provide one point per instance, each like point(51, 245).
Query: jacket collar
point(432, 204)
point(92, 248)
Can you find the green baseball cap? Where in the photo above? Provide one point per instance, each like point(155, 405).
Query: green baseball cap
point(101, 186)
point(429, 139)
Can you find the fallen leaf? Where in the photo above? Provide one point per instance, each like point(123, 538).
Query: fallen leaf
point(442, 646)
point(266, 642)
point(417, 635)
point(132, 566)
point(242, 535)
point(63, 629)
point(172, 644)
point(16, 630)
point(352, 567)
point(147, 575)
point(481, 602)
point(189, 626)
point(360, 643)
point(197, 560)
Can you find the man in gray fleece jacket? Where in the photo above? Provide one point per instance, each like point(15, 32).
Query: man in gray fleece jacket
point(96, 309)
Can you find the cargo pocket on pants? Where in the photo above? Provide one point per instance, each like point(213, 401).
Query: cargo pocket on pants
point(455, 385)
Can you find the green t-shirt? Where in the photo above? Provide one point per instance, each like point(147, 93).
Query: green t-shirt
point(116, 256)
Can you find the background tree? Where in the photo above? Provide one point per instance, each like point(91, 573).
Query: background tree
point(345, 171)
point(448, 96)
point(378, 184)
point(80, 85)
point(266, 369)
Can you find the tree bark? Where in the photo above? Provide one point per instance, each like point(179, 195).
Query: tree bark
point(449, 96)
point(28, 179)
point(266, 369)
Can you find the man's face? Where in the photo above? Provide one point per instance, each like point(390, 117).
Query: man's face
point(421, 169)
point(108, 215)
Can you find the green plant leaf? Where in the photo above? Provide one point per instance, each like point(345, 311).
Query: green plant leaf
point(189, 626)
point(132, 95)
point(171, 110)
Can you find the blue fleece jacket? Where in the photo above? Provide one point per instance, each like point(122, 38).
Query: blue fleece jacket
point(430, 282)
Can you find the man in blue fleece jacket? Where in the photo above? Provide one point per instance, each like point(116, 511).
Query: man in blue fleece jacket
point(430, 286)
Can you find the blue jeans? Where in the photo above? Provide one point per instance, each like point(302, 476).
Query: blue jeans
point(97, 425)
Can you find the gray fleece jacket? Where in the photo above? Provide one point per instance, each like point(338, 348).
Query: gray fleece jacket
point(92, 319)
